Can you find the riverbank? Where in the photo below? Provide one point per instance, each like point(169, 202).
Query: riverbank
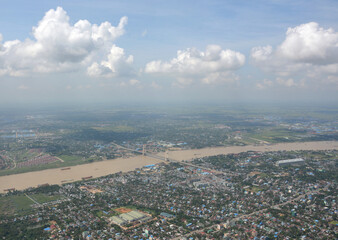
point(204, 152)
point(98, 169)
point(75, 173)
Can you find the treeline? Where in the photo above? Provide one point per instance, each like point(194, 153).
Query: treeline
point(323, 137)
point(21, 230)
point(105, 136)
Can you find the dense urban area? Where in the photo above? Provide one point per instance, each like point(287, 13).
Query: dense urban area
point(248, 195)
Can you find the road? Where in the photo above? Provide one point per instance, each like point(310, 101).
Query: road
point(32, 199)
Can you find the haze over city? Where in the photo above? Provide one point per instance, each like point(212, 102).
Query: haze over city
point(61, 52)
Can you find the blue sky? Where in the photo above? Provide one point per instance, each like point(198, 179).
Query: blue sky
point(228, 51)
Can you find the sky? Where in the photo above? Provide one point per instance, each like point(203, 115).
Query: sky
point(156, 51)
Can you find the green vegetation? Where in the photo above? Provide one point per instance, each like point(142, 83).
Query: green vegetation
point(143, 209)
point(84, 136)
point(43, 198)
point(254, 189)
point(288, 196)
point(71, 158)
point(68, 161)
point(18, 204)
point(90, 134)
point(276, 135)
point(21, 204)
point(11, 231)
point(108, 214)
point(31, 169)
point(119, 128)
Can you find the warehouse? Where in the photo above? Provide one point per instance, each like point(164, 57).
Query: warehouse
point(130, 217)
point(287, 162)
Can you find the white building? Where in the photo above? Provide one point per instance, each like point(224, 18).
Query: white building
point(295, 161)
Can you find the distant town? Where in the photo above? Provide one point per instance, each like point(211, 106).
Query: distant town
point(40, 140)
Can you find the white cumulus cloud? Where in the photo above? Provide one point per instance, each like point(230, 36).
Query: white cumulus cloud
point(309, 43)
point(307, 49)
point(58, 46)
point(211, 66)
point(115, 64)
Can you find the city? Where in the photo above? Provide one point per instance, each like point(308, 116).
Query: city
point(168, 120)
point(248, 196)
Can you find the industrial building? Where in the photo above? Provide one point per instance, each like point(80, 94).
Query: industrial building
point(129, 217)
point(287, 162)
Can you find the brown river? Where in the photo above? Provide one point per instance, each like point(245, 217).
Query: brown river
point(98, 169)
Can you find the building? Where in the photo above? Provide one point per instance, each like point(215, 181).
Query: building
point(200, 184)
point(130, 217)
point(287, 162)
point(166, 215)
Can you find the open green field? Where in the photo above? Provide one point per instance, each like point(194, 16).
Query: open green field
point(119, 128)
point(275, 135)
point(21, 204)
point(68, 161)
point(71, 158)
point(150, 211)
point(10, 205)
point(318, 155)
point(43, 198)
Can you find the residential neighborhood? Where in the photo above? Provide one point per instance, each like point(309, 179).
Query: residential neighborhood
point(235, 196)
